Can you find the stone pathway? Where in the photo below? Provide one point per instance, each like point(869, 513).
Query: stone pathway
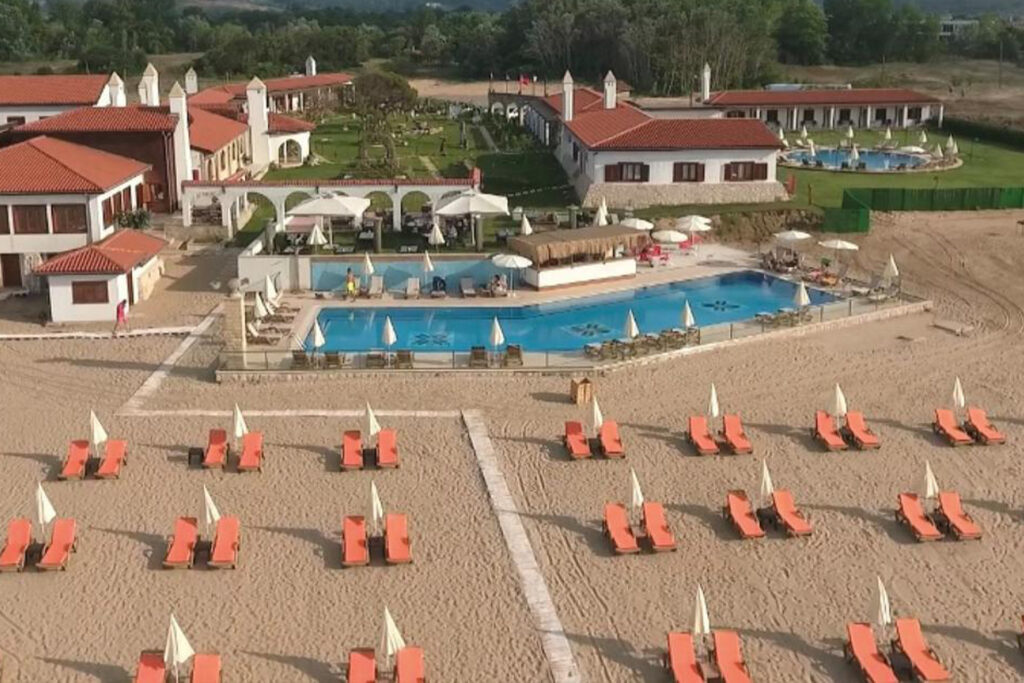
point(429, 165)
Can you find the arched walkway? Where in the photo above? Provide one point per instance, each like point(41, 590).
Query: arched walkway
point(289, 154)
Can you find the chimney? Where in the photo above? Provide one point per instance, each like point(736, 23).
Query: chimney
point(568, 93)
point(182, 146)
point(609, 91)
point(259, 141)
point(191, 82)
point(116, 87)
point(705, 83)
point(149, 87)
point(310, 66)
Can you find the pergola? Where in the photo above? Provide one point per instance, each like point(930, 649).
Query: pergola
point(596, 243)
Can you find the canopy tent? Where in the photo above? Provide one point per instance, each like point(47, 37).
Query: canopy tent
point(595, 241)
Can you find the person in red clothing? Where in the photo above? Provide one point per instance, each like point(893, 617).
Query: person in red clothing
point(122, 317)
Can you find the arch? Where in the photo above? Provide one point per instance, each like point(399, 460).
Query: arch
point(497, 108)
point(289, 153)
point(413, 201)
point(511, 111)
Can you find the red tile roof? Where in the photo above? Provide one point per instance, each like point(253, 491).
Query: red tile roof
point(667, 134)
point(134, 119)
point(209, 132)
point(582, 100)
point(46, 165)
point(117, 254)
point(279, 123)
point(599, 124)
point(218, 94)
point(858, 96)
point(336, 182)
point(222, 94)
point(51, 90)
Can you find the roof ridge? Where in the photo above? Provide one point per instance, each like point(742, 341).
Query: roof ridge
point(645, 122)
point(32, 142)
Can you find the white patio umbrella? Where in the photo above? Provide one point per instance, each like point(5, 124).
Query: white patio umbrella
point(212, 513)
point(950, 145)
point(636, 493)
point(596, 417)
point(270, 293)
point(259, 308)
point(97, 434)
point(931, 484)
point(688, 319)
point(391, 639)
point(428, 265)
point(803, 132)
point(838, 402)
point(436, 237)
point(937, 152)
point(331, 204)
point(884, 608)
point(792, 236)
point(636, 223)
point(956, 149)
point(474, 203)
point(372, 425)
point(922, 139)
point(811, 148)
point(782, 134)
point(44, 509)
point(959, 402)
point(388, 337)
point(767, 488)
point(670, 236)
point(838, 246)
point(849, 133)
point(318, 336)
point(376, 509)
point(513, 262)
point(316, 237)
point(701, 621)
point(368, 269)
point(854, 154)
point(632, 331)
point(524, 226)
point(601, 215)
point(240, 428)
point(692, 223)
point(178, 650)
point(497, 337)
point(713, 409)
point(801, 299)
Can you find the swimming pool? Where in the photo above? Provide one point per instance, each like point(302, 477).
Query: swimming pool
point(564, 325)
point(873, 159)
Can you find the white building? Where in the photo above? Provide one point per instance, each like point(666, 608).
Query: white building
point(24, 99)
point(56, 196)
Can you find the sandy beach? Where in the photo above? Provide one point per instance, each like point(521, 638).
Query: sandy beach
point(290, 613)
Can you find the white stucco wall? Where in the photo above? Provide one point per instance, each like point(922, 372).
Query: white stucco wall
point(63, 310)
point(661, 163)
point(277, 140)
point(31, 113)
point(792, 118)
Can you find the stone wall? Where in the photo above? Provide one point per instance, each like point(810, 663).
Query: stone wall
point(640, 196)
point(233, 328)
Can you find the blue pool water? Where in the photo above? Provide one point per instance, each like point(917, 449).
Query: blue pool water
point(875, 160)
point(564, 325)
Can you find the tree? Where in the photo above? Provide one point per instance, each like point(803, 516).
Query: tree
point(802, 33)
point(378, 94)
point(433, 44)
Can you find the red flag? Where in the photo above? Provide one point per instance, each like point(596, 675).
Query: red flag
point(524, 79)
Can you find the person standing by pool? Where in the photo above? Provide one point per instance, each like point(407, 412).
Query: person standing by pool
point(351, 287)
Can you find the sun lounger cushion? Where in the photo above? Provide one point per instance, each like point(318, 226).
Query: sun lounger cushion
point(181, 547)
point(729, 658)
point(62, 543)
point(859, 431)
point(397, 547)
point(252, 452)
point(352, 450)
point(862, 649)
point(611, 442)
point(354, 550)
point(740, 512)
point(734, 435)
point(616, 526)
point(205, 669)
point(387, 448)
point(945, 426)
point(656, 527)
point(791, 517)
point(576, 441)
point(226, 542)
point(115, 454)
point(978, 425)
point(682, 660)
point(700, 436)
point(19, 538)
point(911, 641)
point(216, 454)
point(409, 665)
point(75, 461)
point(960, 523)
point(151, 668)
point(362, 667)
point(911, 513)
point(467, 286)
point(825, 431)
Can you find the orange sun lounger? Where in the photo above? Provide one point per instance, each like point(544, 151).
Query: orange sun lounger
point(151, 667)
point(352, 450)
point(859, 432)
point(354, 550)
point(656, 527)
point(387, 448)
point(205, 669)
point(681, 659)
point(910, 641)
point(610, 441)
point(576, 441)
point(57, 552)
point(735, 438)
point(825, 431)
point(217, 450)
point(252, 453)
point(397, 546)
point(978, 426)
point(700, 436)
point(729, 658)
point(790, 516)
point(862, 650)
point(911, 513)
point(945, 426)
point(181, 547)
point(75, 461)
point(226, 542)
point(19, 538)
point(950, 512)
point(616, 527)
point(115, 455)
point(409, 665)
point(739, 511)
point(362, 666)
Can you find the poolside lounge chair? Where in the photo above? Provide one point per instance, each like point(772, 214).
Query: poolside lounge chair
point(739, 511)
point(467, 287)
point(478, 357)
point(910, 641)
point(978, 426)
point(616, 527)
point(333, 360)
point(862, 650)
point(681, 659)
point(729, 657)
point(858, 432)
point(362, 666)
point(951, 516)
point(376, 288)
point(576, 441)
point(700, 436)
point(945, 426)
point(599, 350)
point(513, 356)
point(226, 543)
point(825, 431)
point(254, 336)
point(217, 449)
point(354, 549)
point(608, 440)
point(409, 665)
point(735, 438)
point(76, 460)
point(57, 552)
point(403, 359)
point(387, 448)
point(252, 453)
point(412, 288)
point(912, 514)
point(181, 547)
point(151, 667)
point(376, 360)
point(301, 360)
point(205, 669)
point(397, 547)
point(789, 515)
point(19, 538)
point(352, 450)
point(656, 528)
point(115, 455)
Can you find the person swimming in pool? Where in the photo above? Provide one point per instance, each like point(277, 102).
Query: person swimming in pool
point(350, 284)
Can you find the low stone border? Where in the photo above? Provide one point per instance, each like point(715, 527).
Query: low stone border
point(148, 332)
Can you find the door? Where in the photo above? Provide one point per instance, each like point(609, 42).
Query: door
point(10, 270)
point(131, 287)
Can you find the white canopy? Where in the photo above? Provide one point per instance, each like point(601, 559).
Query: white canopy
point(637, 223)
point(212, 513)
point(693, 224)
point(596, 417)
point(436, 237)
point(332, 205)
point(792, 236)
point(959, 402)
point(97, 434)
point(839, 245)
point(632, 331)
point(497, 334)
point(767, 488)
point(391, 640)
point(931, 484)
point(367, 264)
point(376, 509)
point(670, 236)
point(701, 622)
point(713, 409)
point(318, 335)
point(372, 425)
point(388, 336)
point(513, 261)
point(636, 493)
point(838, 402)
point(428, 265)
point(475, 203)
point(316, 237)
point(44, 508)
point(524, 226)
point(801, 299)
point(884, 608)
point(178, 650)
point(241, 429)
point(688, 319)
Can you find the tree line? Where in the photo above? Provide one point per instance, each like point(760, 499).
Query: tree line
point(656, 45)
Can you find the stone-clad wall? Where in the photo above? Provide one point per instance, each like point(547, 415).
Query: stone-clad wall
point(640, 195)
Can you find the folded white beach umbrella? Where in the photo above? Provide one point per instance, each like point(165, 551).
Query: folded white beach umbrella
point(388, 336)
point(838, 402)
point(922, 139)
point(701, 622)
point(801, 298)
point(713, 409)
point(849, 132)
point(636, 223)
point(261, 309)
point(888, 134)
point(367, 264)
point(316, 237)
point(803, 132)
point(854, 154)
point(436, 237)
point(636, 493)
point(782, 134)
point(884, 608)
point(956, 149)
point(497, 334)
point(241, 429)
point(632, 331)
point(688, 319)
point(959, 401)
point(950, 145)
point(767, 488)
point(428, 265)
point(891, 272)
point(318, 335)
point(597, 418)
point(931, 484)
point(178, 650)
point(792, 236)
point(372, 425)
point(44, 508)
point(524, 226)
point(391, 639)
point(97, 434)
point(212, 513)
point(376, 509)
point(601, 217)
point(269, 290)
point(937, 152)
point(811, 148)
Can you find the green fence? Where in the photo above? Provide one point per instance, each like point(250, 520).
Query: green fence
point(958, 199)
point(847, 220)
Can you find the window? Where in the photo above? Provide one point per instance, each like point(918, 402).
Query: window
point(5, 226)
point(735, 114)
point(844, 115)
point(742, 171)
point(808, 115)
point(68, 218)
point(108, 211)
point(126, 198)
point(880, 114)
point(30, 220)
point(772, 116)
point(89, 293)
point(118, 207)
point(687, 172)
point(16, 120)
point(914, 113)
point(575, 152)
